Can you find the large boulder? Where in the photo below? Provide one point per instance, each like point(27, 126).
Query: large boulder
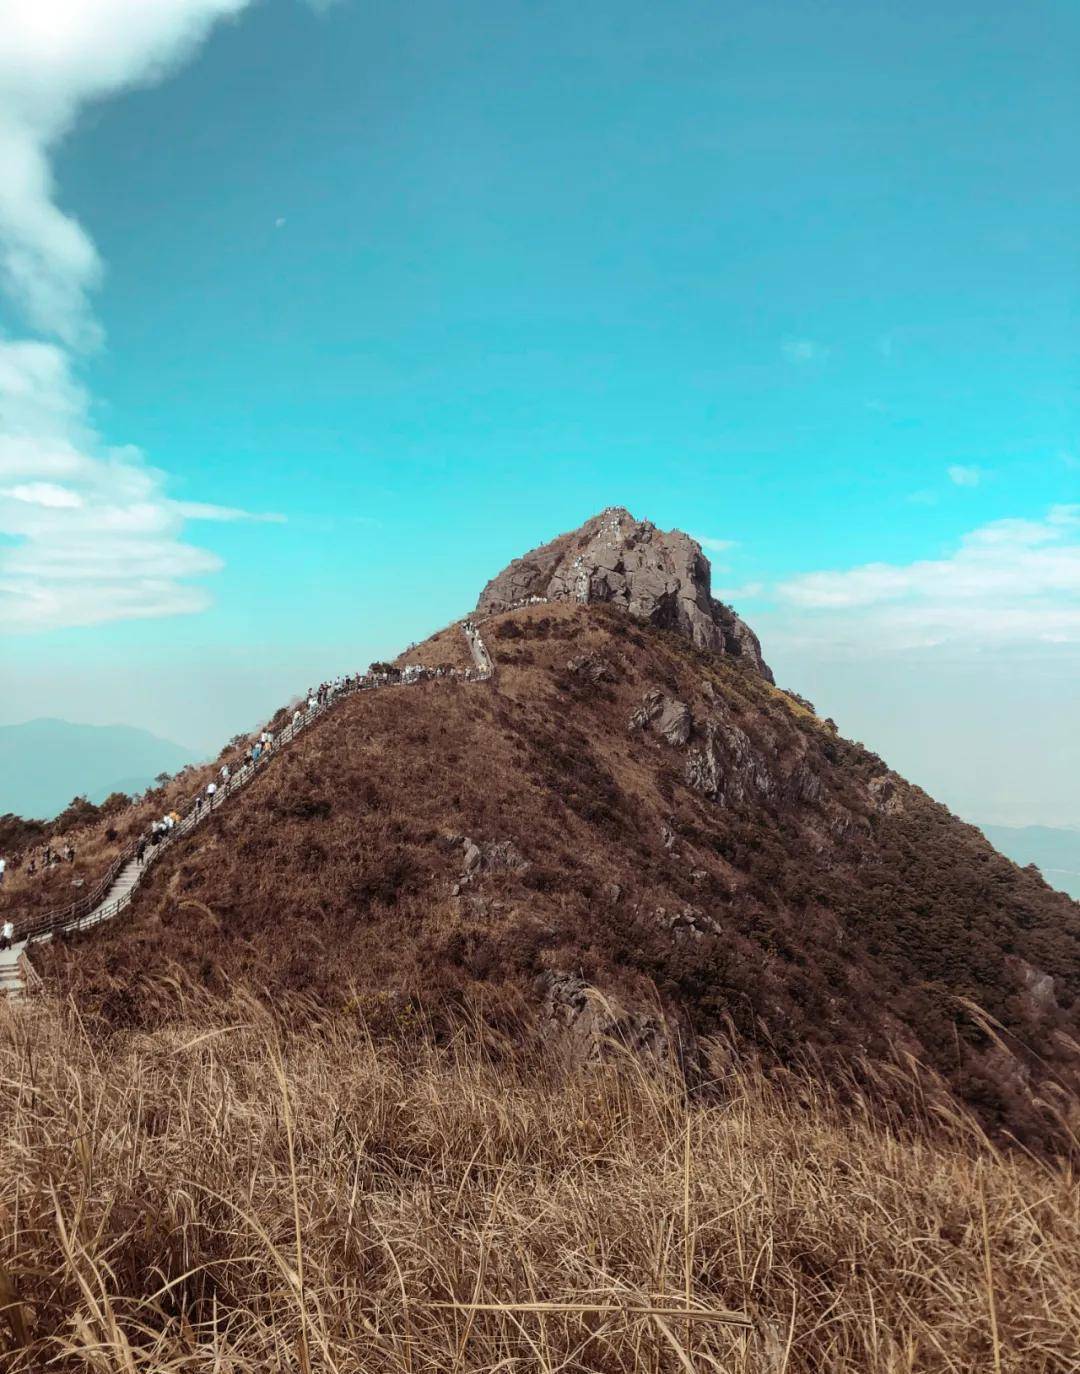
point(671, 719)
point(663, 577)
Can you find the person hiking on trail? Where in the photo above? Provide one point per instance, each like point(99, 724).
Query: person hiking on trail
point(140, 849)
point(225, 772)
point(3, 866)
point(296, 718)
point(211, 788)
point(7, 934)
point(256, 752)
point(311, 703)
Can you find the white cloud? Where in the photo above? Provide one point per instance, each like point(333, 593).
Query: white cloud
point(203, 510)
point(714, 545)
point(964, 476)
point(805, 351)
point(47, 494)
point(740, 593)
point(1008, 581)
point(91, 534)
point(88, 532)
point(57, 56)
point(39, 393)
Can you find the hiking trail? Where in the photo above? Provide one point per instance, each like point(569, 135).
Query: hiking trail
point(113, 893)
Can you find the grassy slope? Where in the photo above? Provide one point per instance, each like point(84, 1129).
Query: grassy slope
point(839, 928)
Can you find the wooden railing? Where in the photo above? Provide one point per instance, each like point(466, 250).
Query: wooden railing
point(32, 980)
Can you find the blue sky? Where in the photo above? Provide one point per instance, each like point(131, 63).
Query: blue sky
point(433, 283)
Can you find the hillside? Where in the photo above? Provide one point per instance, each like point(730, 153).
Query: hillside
point(46, 762)
point(624, 834)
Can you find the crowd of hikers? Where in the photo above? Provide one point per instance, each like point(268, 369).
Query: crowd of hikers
point(233, 773)
point(260, 746)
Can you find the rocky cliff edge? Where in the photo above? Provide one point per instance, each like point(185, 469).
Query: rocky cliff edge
point(663, 577)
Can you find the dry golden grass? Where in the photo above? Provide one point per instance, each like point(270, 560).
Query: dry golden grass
point(226, 1194)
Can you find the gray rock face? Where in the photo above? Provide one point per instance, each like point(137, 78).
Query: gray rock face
point(586, 1020)
point(727, 767)
point(496, 856)
point(675, 722)
point(671, 718)
point(661, 577)
point(593, 667)
point(885, 795)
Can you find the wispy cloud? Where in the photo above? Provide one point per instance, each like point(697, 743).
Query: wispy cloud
point(203, 510)
point(714, 545)
point(741, 593)
point(1012, 580)
point(961, 475)
point(92, 533)
point(803, 351)
point(47, 494)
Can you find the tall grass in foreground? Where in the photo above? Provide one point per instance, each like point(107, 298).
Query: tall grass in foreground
point(226, 1195)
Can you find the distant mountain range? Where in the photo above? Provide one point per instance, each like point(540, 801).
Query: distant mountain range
point(45, 762)
point(1056, 853)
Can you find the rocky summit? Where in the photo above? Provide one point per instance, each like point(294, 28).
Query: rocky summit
point(662, 577)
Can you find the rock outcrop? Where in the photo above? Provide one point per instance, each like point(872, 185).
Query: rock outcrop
point(662, 577)
point(670, 718)
point(586, 1020)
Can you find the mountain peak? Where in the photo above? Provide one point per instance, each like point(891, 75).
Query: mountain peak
point(662, 577)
